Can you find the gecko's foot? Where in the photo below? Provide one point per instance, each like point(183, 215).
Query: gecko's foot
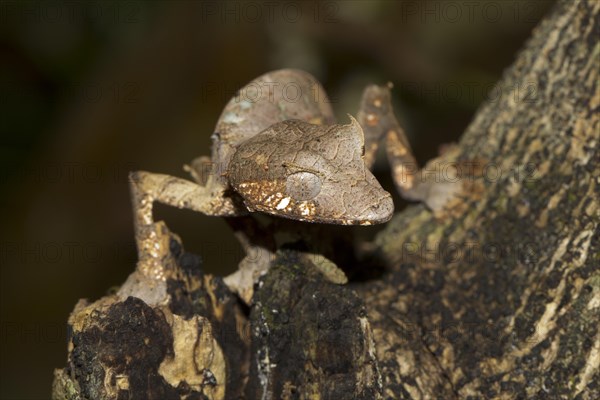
point(447, 148)
point(253, 267)
point(155, 262)
point(452, 187)
point(200, 168)
point(328, 269)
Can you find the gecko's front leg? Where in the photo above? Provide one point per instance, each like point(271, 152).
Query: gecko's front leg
point(376, 116)
point(152, 238)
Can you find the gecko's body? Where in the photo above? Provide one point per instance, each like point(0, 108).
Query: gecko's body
point(277, 150)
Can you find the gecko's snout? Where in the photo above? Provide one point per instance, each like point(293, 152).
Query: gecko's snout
point(379, 212)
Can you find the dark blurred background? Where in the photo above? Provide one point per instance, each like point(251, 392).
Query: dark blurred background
point(92, 90)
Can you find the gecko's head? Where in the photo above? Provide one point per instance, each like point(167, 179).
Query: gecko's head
point(307, 172)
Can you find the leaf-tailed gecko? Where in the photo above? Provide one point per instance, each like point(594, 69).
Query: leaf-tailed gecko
point(282, 153)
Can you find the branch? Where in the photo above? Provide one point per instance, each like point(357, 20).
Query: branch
point(502, 299)
point(499, 297)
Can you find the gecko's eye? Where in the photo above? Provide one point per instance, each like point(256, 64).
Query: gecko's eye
point(303, 185)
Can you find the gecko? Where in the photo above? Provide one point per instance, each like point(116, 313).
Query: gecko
point(281, 152)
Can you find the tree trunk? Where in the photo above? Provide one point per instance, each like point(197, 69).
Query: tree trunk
point(497, 297)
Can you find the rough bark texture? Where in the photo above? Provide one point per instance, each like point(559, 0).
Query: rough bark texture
point(499, 297)
point(502, 299)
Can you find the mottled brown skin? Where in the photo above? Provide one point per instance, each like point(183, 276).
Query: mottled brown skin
point(283, 155)
point(309, 174)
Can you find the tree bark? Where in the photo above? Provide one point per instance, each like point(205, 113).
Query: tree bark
point(497, 297)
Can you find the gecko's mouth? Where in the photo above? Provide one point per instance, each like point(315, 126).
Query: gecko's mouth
point(380, 212)
point(377, 213)
point(366, 213)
